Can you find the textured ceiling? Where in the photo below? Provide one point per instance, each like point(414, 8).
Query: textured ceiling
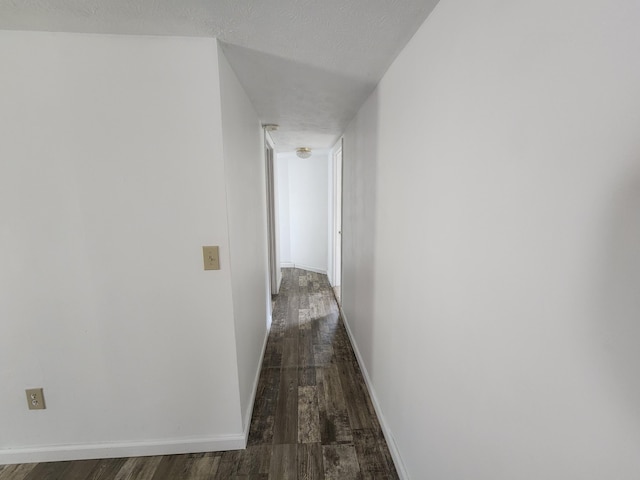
point(306, 64)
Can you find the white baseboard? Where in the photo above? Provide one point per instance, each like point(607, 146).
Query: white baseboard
point(249, 411)
point(393, 447)
point(303, 267)
point(58, 453)
point(310, 269)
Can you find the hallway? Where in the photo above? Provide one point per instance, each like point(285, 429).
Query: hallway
point(329, 428)
point(312, 417)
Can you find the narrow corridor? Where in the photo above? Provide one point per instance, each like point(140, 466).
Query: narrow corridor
point(312, 409)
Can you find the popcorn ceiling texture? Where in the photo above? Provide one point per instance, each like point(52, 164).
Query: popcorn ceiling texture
point(306, 64)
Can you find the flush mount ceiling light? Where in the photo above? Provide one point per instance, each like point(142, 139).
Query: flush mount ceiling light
point(303, 152)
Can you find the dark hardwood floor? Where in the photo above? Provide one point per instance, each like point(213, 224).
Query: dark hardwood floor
point(312, 418)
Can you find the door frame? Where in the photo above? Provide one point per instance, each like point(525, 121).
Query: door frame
point(336, 214)
point(275, 274)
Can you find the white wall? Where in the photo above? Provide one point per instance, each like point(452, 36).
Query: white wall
point(492, 253)
point(307, 195)
point(244, 161)
point(111, 180)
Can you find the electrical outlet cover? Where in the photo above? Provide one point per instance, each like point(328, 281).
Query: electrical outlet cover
point(35, 399)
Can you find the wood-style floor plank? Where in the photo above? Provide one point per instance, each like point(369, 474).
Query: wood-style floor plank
point(312, 417)
point(323, 355)
point(228, 465)
point(138, 468)
point(107, 469)
point(80, 470)
point(340, 462)
point(17, 472)
point(204, 467)
point(371, 457)
point(290, 351)
point(284, 462)
point(335, 426)
point(255, 461)
point(310, 466)
point(355, 395)
point(306, 376)
point(48, 471)
point(264, 408)
point(173, 466)
point(305, 346)
point(308, 415)
point(285, 429)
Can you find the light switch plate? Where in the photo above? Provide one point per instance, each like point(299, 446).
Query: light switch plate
point(211, 258)
point(35, 399)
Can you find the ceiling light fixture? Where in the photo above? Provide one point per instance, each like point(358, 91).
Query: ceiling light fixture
point(303, 152)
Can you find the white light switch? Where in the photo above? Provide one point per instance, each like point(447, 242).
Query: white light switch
point(211, 258)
